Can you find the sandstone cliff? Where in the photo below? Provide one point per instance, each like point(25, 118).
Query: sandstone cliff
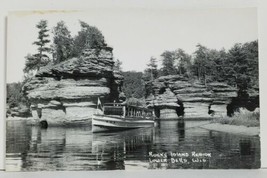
point(174, 96)
point(67, 92)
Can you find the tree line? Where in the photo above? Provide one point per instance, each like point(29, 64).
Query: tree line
point(237, 66)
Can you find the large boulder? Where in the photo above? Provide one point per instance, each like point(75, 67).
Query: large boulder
point(67, 93)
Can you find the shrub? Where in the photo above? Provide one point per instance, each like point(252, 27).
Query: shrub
point(243, 117)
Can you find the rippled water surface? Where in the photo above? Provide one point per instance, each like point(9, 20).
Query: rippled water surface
point(170, 145)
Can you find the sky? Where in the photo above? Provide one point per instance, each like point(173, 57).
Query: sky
point(135, 34)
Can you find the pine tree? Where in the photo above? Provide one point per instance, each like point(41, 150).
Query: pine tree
point(168, 63)
point(151, 72)
point(88, 37)
point(200, 62)
point(40, 59)
point(62, 43)
point(183, 62)
point(252, 59)
point(236, 66)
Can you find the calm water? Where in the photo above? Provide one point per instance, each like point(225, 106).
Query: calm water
point(170, 145)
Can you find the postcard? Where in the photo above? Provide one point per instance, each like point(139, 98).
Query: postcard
point(132, 89)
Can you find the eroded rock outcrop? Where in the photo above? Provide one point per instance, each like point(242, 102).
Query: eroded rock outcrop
point(166, 104)
point(68, 92)
point(191, 99)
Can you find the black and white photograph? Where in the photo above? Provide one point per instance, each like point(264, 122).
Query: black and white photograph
point(132, 89)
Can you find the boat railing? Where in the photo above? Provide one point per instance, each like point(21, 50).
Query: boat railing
point(114, 104)
point(126, 110)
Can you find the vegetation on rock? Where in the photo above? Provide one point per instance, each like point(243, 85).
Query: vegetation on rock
point(88, 37)
point(62, 43)
point(17, 104)
point(133, 85)
point(41, 58)
point(243, 117)
point(151, 72)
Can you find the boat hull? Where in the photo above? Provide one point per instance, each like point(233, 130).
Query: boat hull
point(102, 123)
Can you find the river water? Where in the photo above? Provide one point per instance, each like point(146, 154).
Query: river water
point(170, 145)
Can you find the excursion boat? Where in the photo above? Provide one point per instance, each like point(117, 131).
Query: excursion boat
point(117, 116)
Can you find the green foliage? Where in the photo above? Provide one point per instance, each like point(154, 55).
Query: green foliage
point(151, 72)
point(183, 62)
point(15, 96)
point(40, 59)
point(244, 118)
point(168, 58)
point(174, 62)
point(133, 85)
point(244, 58)
point(237, 67)
point(202, 63)
point(62, 43)
point(64, 46)
point(117, 65)
point(88, 37)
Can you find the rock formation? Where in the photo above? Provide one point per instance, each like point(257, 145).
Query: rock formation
point(176, 94)
point(166, 104)
point(67, 92)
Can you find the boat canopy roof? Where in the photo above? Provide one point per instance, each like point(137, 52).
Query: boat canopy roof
point(127, 106)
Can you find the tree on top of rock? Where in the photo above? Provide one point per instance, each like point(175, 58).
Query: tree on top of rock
point(183, 61)
point(62, 43)
point(243, 65)
point(252, 59)
point(40, 59)
point(151, 72)
point(88, 37)
point(202, 63)
point(168, 67)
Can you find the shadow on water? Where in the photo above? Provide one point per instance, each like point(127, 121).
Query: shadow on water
point(55, 148)
point(245, 147)
point(181, 130)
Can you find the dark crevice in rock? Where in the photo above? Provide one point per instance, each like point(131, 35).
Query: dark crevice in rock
point(181, 129)
point(211, 112)
point(157, 112)
point(162, 90)
point(39, 112)
point(180, 110)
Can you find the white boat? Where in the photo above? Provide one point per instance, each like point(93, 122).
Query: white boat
point(116, 116)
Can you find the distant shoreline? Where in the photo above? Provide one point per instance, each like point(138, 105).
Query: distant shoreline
point(233, 129)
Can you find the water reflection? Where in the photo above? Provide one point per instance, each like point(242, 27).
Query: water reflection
point(33, 149)
point(245, 147)
point(181, 130)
